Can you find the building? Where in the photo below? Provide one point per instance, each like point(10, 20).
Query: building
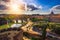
point(51, 17)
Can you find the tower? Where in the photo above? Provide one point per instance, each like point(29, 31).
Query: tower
point(52, 12)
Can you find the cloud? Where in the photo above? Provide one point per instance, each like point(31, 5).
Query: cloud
point(57, 7)
point(29, 1)
point(40, 7)
point(32, 7)
point(6, 0)
point(3, 7)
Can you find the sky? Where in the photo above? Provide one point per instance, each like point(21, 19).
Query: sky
point(41, 6)
point(45, 5)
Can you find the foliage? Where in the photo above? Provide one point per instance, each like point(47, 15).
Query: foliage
point(44, 27)
point(45, 19)
point(44, 32)
point(35, 38)
point(57, 30)
point(5, 26)
point(35, 19)
point(3, 21)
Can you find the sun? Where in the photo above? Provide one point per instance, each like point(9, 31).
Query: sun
point(16, 6)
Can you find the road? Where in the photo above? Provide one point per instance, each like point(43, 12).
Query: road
point(25, 28)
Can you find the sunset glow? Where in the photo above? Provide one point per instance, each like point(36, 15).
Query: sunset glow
point(16, 6)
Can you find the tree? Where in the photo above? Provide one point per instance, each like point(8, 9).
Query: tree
point(57, 30)
point(35, 19)
point(44, 32)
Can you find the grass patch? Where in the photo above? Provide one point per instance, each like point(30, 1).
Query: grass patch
point(5, 26)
